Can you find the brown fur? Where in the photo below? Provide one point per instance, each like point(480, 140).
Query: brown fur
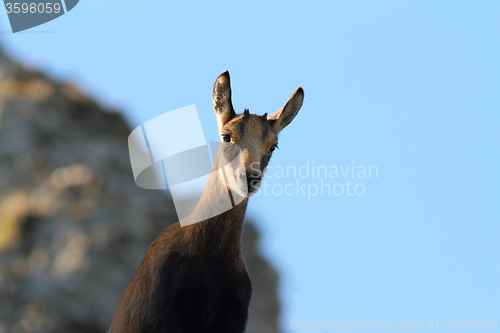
point(193, 278)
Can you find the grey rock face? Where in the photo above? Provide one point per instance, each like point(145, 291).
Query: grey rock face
point(74, 227)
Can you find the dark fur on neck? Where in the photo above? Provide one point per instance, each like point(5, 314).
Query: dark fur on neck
point(193, 278)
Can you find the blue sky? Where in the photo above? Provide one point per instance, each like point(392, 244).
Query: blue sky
point(412, 88)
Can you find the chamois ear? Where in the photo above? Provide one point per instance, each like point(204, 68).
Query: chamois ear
point(221, 99)
point(284, 116)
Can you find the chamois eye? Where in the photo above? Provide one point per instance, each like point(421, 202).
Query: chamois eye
point(226, 138)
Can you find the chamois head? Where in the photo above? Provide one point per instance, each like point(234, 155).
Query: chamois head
point(256, 137)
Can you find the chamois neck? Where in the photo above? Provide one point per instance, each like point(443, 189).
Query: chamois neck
point(222, 231)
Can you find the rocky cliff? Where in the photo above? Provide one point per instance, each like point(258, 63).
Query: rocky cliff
point(74, 227)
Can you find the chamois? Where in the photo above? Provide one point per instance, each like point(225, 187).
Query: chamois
point(193, 278)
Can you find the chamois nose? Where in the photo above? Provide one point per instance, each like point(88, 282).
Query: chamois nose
point(253, 179)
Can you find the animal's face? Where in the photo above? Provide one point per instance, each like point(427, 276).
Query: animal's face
point(251, 136)
point(255, 141)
